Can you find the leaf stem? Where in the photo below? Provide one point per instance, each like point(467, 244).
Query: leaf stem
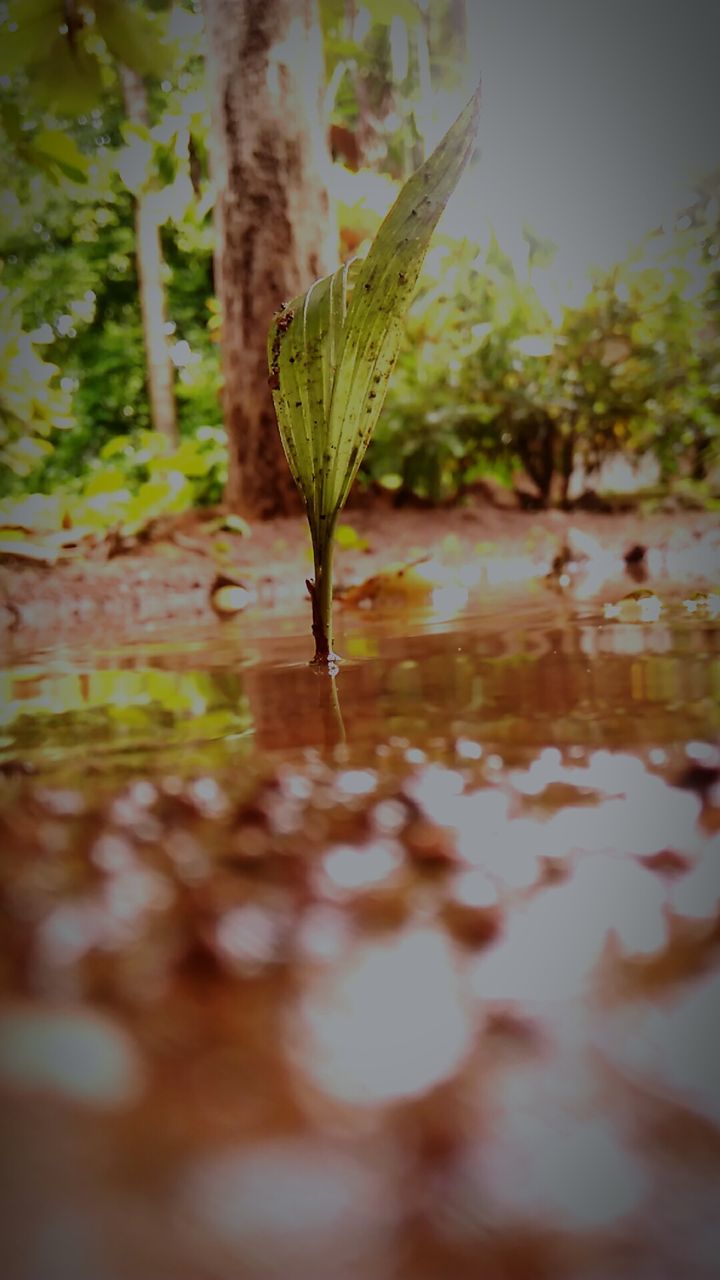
point(321, 596)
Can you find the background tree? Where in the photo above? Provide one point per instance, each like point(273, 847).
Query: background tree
point(68, 51)
point(489, 383)
point(275, 234)
point(151, 280)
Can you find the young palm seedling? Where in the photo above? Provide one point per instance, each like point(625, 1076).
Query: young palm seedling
point(332, 351)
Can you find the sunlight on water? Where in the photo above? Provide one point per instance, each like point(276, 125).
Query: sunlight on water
point(347, 867)
point(558, 1162)
point(271, 1203)
point(388, 1023)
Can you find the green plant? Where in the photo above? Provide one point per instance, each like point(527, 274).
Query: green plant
point(331, 353)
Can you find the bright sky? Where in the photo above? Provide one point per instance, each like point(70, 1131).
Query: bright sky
point(597, 115)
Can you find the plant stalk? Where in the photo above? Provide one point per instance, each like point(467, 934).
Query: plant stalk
point(321, 597)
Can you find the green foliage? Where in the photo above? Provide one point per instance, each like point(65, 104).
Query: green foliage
point(68, 52)
point(440, 430)
point(135, 480)
point(32, 403)
point(67, 249)
point(70, 261)
point(487, 381)
point(139, 478)
point(133, 36)
point(50, 151)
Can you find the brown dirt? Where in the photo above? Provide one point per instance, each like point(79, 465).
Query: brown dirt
point(169, 578)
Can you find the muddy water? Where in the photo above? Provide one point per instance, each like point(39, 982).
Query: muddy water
point(412, 975)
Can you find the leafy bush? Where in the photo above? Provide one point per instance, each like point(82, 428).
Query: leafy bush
point(32, 402)
point(442, 425)
point(486, 381)
point(135, 480)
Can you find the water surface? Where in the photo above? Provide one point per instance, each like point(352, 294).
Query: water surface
point(410, 975)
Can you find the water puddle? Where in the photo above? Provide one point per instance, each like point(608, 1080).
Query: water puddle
point(519, 672)
point(415, 974)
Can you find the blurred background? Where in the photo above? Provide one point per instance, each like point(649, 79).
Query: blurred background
point(565, 332)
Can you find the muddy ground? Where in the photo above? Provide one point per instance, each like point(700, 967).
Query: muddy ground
point(169, 576)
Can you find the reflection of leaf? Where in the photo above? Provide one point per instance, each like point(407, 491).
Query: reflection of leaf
point(178, 692)
point(113, 709)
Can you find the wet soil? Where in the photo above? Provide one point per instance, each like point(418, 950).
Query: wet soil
point(169, 577)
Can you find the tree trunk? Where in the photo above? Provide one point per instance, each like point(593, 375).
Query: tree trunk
point(565, 466)
point(149, 259)
point(426, 122)
point(536, 447)
point(274, 230)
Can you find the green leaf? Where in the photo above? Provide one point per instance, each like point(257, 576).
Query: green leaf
point(24, 11)
point(105, 480)
point(132, 36)
point(61, 149)
point(304, 352)
point(69, 79)
point(11, 121)
point(187, 459)
point(30, 40)
point(163, 495)
point(115, 445)
point(383, 11)
point(333, 350)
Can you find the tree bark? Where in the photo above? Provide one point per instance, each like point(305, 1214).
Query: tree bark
point(274, 230)
point(536, 447)
point(150, 267)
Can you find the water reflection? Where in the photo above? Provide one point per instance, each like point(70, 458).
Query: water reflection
point(50, 714)
point(546, 677)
